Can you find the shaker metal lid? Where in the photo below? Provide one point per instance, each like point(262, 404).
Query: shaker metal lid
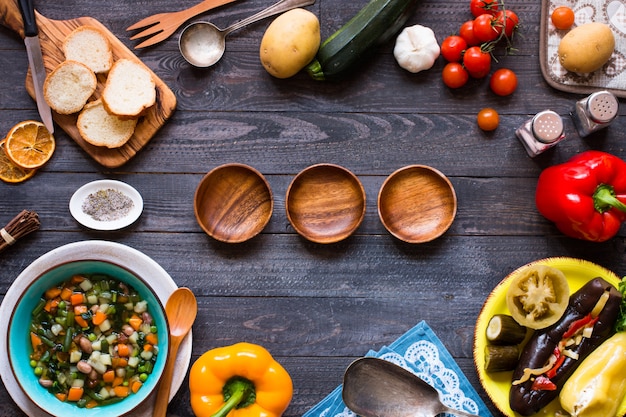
point(602, 106)
point(547, 126)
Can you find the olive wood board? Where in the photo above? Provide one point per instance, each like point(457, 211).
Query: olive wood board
point(52, 34)
point(612, 76)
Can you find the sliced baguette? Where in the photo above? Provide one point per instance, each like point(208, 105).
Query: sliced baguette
point(68, 87)
point(100, 128)
point(129, 89)
point(90, 46)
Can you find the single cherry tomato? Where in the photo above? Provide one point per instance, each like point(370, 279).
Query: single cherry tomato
point(507, 21)
point(488, 119)
point(484, 28)
point(452, 48)
point(478, 7)
point(503, 82)
point(477, 62)
point(563, 17)
point(454, 75)
point(467, 32)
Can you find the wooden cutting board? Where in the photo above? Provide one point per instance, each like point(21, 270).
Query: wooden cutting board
point(51, 34)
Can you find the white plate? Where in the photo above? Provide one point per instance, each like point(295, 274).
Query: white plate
point(76, 203)
point(124, 256)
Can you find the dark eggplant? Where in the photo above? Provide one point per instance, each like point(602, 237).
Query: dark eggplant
point(536, 353)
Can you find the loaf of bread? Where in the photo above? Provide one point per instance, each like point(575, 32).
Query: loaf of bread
point(129, 89)
point(100, 128)
point(90, 46)
point(68, 87)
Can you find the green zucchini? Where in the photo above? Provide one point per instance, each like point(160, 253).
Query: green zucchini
point(374, 24)
point(504, 330)
point(500, 358)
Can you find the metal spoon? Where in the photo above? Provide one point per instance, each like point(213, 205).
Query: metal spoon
point(374, 387)
point(202, 44)
point(181, 310)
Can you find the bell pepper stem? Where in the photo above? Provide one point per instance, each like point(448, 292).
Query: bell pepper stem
point(237, 391)
point(604, 199)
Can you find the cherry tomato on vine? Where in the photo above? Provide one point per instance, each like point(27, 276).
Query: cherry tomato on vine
point(454, 75)
point(484, 28)
point(452, 48)
point(477, 62)
point(488, 119)
point(478, 7)
point(563, 17)
point(507, 21)
point(467, 32)
point(503, 82)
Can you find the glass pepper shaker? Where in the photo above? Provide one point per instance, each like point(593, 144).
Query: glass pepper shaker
point(594, 112)
point(541, 132)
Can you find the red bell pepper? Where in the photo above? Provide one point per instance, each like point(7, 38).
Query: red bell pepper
point(585, 196)
point(541, 383)
point(579, 324)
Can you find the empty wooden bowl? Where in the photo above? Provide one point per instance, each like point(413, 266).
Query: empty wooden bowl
point(417, 204)
point(325, 203)
point(233, 203)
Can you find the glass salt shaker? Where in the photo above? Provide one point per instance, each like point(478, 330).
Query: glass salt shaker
point(594, 112)
point(541, 133)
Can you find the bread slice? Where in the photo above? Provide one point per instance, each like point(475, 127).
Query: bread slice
point(100, 128)
point(129, 89)
point(90, 46)
point(68, 87)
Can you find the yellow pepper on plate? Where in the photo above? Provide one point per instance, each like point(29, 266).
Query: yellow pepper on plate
point(598, 385)
point(242, 380)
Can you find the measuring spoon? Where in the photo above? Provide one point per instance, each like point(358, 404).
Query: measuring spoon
point(374, 387)
point(202, 44)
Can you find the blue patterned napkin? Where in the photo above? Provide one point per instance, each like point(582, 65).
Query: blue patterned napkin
point(419, 351)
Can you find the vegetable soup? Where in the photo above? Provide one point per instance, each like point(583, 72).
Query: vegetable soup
point(94, 341)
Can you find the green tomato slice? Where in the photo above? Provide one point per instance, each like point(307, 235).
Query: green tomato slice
point(538, 296)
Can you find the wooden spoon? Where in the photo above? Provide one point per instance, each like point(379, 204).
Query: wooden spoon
point(181, 310)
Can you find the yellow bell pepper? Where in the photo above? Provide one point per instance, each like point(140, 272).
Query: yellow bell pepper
point(242, 380)
point(598, 385)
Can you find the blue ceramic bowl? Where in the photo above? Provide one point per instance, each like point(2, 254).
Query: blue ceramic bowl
point(19, 347)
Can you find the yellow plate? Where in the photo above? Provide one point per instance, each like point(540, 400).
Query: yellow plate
point(497, 385)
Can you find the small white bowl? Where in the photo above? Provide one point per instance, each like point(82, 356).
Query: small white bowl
point(79, 197)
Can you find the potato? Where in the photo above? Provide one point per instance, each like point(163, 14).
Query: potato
point(290, 43)
point(586, 48)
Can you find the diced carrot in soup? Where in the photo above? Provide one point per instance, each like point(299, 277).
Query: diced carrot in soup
point(75, 394)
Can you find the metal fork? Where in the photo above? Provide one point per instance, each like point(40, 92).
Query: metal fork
point(162, 25)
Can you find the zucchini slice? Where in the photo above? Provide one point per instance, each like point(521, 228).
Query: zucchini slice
point(504, 330)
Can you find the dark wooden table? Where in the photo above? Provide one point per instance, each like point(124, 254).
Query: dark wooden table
point(316, 307)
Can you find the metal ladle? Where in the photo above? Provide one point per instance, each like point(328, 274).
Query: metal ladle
point(374, 387)
point(202, 44)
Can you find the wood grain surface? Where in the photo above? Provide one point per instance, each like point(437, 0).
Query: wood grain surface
point(52, 33)
point(316, 307)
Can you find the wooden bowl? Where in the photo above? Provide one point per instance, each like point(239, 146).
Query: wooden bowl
point(325, 203)
point(233, 203)
point(417, 204)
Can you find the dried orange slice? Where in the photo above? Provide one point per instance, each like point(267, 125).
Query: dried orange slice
point(29, 144)
point(9, 172)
